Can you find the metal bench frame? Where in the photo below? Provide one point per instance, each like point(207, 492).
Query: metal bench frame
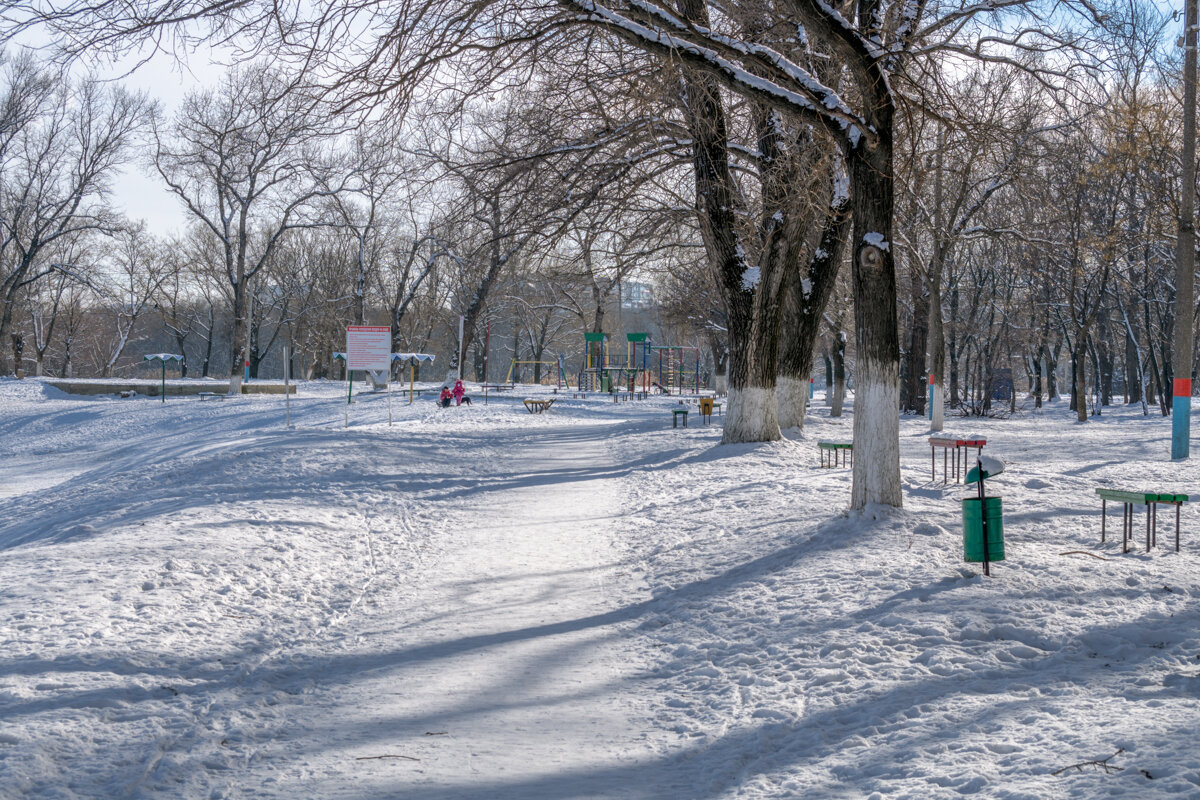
point(827, 449)
point(957, 445)
point(1151, 500)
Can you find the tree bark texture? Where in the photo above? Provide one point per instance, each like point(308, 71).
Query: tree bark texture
point(876, 476)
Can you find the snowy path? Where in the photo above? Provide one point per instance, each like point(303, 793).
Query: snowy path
point(225, 609)
point(198, 604)
point(516, 678)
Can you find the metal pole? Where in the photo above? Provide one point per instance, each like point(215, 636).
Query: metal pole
point(164, 380)
point(1185, 261)
point(983, 518)
point(349, 393)
point(411, 363)
point(460, 345)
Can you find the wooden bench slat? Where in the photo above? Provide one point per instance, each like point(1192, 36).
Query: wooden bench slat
point(1122, 496)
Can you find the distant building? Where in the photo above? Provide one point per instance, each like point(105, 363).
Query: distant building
point(636, 295)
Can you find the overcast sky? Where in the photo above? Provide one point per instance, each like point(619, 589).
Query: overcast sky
point(138, 192)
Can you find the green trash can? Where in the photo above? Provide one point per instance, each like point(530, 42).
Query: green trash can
point(973, 529)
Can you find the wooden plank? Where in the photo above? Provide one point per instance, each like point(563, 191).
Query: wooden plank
point(1117, 495)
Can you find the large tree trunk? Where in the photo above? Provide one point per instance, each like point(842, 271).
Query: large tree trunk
point(6, 313)
point(238, 343)
point(1035, 381)
point(1079, 384)
point(804, 308)
point(918, 338)
point(952, 350)
point(1051, 361)
point(839, 375)
point(1133, 378)
point(937, 351)
point(208, 344)
point(876, 477)
point(720, 357)
point(751, 305)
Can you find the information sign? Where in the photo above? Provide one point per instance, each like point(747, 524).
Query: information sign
point(368, 347)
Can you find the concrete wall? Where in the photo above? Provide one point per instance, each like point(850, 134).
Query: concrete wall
point(154, 388)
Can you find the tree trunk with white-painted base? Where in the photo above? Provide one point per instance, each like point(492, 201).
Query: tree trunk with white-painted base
point(804, 307)
point(937, 353)
point(751, 295)
point(876, 477)
point(792, 398)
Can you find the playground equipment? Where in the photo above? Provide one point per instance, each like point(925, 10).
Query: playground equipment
point(413, 359)
point(669, 366)
point(677, 370)
point(604, 370)
point(164, 358)
point(559, 373)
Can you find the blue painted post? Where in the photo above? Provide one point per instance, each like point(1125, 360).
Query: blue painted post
point(1181, 412)
point(810, 388)
point(929, 405)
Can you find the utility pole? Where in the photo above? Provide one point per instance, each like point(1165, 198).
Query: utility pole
point(1185, 260)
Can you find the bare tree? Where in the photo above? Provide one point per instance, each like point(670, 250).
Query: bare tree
point(55, 171)
point(129, 286)
point(244, 159)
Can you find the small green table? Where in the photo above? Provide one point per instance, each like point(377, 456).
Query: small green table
point(1151, 500)
point(829, 453)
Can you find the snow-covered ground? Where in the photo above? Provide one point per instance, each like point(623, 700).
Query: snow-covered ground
point(196, 602)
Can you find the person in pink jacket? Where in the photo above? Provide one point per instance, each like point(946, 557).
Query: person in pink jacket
point(459, 391)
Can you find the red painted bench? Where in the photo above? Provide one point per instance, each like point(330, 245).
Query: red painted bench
point(947, 444)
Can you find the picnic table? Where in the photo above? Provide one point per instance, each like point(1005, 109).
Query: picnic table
point(951, 443)
point(828, 449)
point(1151, 500)
point(536, 406)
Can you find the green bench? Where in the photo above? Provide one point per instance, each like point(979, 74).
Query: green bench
point(1151, 500)
point(829, 452)
point(676, 413)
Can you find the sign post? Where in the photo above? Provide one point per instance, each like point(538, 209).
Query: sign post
point(461, 319)
point(368, 347)
point(287, 384)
